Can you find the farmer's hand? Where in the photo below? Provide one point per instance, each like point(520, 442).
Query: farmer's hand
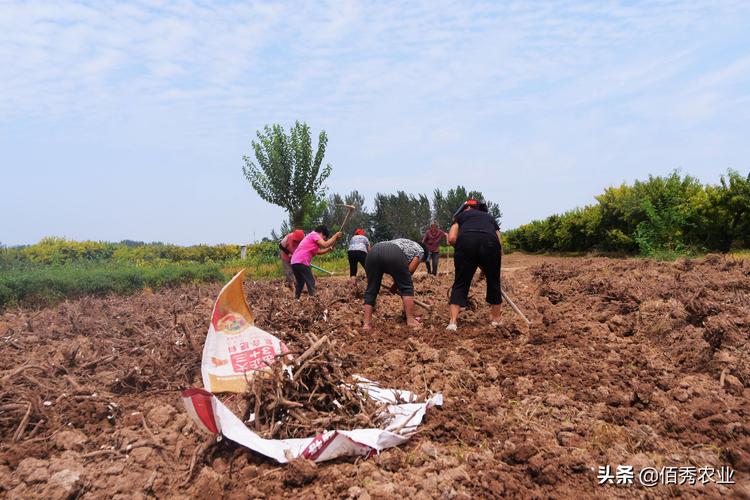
point(338, 235)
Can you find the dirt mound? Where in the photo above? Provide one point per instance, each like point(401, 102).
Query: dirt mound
point(627, 362)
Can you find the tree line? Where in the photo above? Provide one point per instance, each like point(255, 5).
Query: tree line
point(284, 171)
point(662, 215)
point(670, 214)
point(399, 215)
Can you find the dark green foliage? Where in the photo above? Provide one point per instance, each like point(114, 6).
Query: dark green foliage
point(400, 215)
point(334, 215)
point(445, 205)
point(662, 216)
point(723, 213)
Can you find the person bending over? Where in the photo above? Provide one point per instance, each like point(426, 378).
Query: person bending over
point(398, 258)
point(359, 245)
point(475, 235)
point(315, 243)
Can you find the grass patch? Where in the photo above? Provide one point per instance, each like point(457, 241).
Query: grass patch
point(37, 285)
point(335, 262)
point(45, 285)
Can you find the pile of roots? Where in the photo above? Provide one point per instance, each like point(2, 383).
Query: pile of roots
point(305, 395)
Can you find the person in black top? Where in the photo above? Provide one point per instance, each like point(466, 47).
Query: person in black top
point(475, 235)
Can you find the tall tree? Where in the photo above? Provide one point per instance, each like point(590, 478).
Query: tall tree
point(734, 199)
point(445, 205)
point(286, 173)
point(334, 213)
point(400, 215)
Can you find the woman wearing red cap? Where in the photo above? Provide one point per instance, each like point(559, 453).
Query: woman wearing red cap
point(475, 235)
point(359, 246)
point(288, 245)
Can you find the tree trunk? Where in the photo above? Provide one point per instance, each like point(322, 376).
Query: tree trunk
point(296, 219)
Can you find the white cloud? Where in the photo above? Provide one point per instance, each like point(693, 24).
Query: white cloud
point(462, 53)
point(399, 86)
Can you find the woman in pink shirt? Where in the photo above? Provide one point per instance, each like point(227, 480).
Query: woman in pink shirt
point(313, 244)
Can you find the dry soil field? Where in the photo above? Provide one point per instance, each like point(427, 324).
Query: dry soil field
point(627, 362)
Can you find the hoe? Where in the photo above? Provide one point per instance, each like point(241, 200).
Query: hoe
point(349, 210)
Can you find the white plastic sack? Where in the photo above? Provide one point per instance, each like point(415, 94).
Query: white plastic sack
point(213, 416)
point(235, 350)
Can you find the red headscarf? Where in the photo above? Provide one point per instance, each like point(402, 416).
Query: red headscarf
point(359, 232)
point(297, 235)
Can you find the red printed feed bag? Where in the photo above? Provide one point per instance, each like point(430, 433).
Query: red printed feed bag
point(235, 348)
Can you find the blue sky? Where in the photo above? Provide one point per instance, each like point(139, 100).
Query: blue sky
point(130, 120)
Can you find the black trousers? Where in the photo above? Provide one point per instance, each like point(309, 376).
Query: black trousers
point(303, 276)
point(476, 250)
point(386, 258)
point(432, 262)
point(356, 257)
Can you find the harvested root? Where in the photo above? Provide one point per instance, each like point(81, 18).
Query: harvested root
point(198, 455)
point(308, 394)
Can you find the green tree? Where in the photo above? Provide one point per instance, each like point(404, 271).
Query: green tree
point(334, 214)
point(667, 213)
point(286, 173)
point(620, 214)
point(733, 199)
point(445, 205)
point(400, 215)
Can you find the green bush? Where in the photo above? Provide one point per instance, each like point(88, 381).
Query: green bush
point(662, 216)
point(60, 251)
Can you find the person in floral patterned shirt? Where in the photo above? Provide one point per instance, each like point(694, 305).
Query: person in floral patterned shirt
point(398, 258)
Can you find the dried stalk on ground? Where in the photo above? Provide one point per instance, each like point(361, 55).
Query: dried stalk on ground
point(305, 395)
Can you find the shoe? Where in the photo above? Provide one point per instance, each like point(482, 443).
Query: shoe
point(452, 327)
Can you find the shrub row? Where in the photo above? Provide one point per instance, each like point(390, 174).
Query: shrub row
point(60, 251)
point(664, 215)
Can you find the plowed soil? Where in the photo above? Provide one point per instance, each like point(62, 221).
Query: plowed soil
point(626, 362)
